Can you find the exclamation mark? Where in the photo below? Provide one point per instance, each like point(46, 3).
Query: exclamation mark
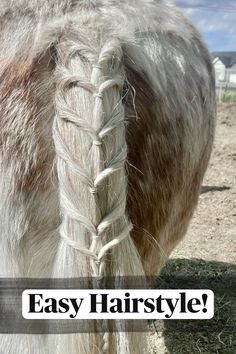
point(204, 299)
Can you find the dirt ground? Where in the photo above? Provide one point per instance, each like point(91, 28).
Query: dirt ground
point(206, 258)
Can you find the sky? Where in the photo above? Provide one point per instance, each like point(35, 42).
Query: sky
point(215, 19)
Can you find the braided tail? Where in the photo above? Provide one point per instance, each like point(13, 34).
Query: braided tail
point(89, 137)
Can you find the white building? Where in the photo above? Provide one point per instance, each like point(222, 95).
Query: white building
point(225, 68)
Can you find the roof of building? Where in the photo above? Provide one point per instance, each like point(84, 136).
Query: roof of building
point(227, 58)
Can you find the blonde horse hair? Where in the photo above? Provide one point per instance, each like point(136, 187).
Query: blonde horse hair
point(90, 144)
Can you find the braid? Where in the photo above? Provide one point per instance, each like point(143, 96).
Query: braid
point(104, 121)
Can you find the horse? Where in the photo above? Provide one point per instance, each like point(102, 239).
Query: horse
point(106, 129)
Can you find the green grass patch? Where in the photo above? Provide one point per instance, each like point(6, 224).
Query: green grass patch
point(228, 97)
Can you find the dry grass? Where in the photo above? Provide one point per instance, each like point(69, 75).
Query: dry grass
point(215, 336)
